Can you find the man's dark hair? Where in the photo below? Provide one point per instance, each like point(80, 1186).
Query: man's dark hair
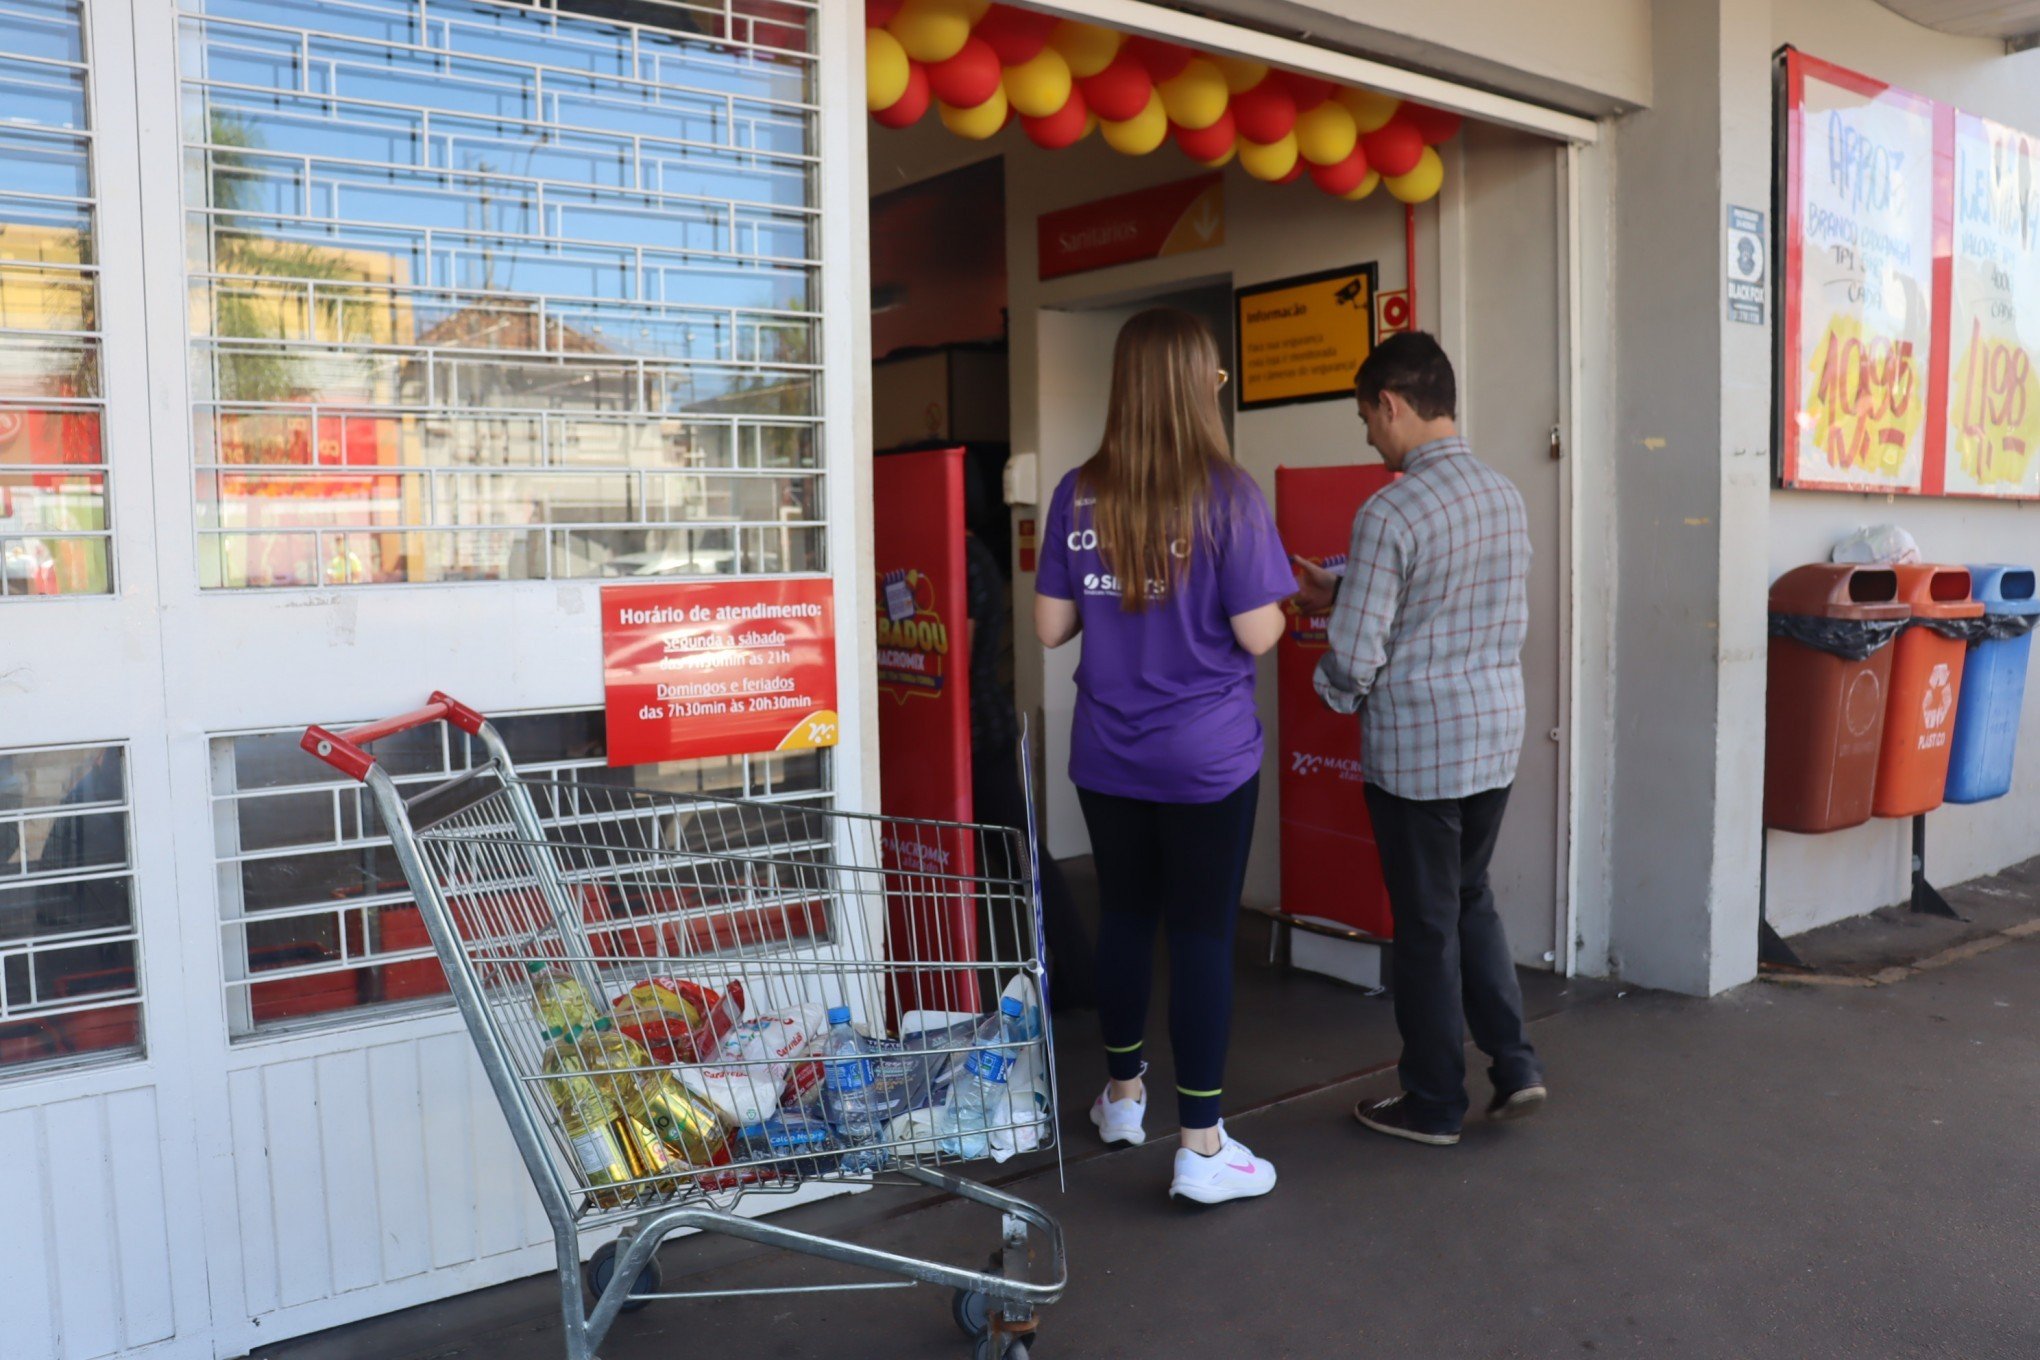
point(1414, 367)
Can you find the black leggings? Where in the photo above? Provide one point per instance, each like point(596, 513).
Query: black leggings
point(1179, 865)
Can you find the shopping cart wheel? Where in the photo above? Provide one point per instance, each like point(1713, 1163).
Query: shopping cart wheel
point(973, 1309)
point(1017, 1348)
point(601, 1268)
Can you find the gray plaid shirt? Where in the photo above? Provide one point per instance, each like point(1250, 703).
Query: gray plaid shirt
point(1426, 637)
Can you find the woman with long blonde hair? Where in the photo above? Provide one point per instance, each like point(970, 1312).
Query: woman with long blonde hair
point(1161, 552)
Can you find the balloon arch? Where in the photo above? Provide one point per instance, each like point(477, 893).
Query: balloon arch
point(983, 65)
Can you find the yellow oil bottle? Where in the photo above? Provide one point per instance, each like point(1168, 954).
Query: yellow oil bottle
point(559, 998)
point(653, 1097)
point(611, 1148)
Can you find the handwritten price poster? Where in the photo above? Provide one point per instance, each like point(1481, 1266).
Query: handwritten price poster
point(1860, 283)
point(1993, 435)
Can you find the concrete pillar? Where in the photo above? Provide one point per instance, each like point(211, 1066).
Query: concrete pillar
point(1692, 491)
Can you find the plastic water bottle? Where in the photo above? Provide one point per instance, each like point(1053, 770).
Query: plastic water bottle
point(978, 1098)
point(847, 1073)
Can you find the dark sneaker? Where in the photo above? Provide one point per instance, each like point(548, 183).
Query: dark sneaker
point(1396, 1119)
point(1520, 1103)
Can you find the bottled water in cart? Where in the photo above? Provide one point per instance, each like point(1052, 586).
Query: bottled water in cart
point(847, 1074)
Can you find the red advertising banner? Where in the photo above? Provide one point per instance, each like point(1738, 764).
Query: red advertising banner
point(1330, 866)
point(1168, 219)
point(924, 723)
point(718, 669)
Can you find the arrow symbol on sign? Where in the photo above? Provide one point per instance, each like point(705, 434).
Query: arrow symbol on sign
point(1206, 221)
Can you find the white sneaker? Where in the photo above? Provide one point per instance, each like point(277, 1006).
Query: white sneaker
point(1119, 1121)
point(1233, 1172)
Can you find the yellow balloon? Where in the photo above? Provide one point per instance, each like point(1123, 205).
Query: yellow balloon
point(886, 69)
point(978, 10)
point(1039, 87)
point(1423, 183)
point(932, 30)
point(1224, 160)
point(979, 123)
point(1241, 74)
point(1141, 133)
point(1370, 109)
point(1269, 160)
point(1196, 97)
point(1088, 48)
point(1364, 187)
point(1326, 134)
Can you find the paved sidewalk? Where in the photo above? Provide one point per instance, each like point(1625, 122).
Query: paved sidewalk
point(1784, 1171)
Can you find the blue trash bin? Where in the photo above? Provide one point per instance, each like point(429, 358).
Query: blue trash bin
point(1993, 687)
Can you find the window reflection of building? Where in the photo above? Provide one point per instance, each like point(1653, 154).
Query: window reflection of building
point(606, 286)
point(68, 962)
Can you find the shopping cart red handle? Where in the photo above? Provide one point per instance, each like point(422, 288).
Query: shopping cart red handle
point(344, 750)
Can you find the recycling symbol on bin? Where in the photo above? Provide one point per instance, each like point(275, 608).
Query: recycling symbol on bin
point(1940, 698)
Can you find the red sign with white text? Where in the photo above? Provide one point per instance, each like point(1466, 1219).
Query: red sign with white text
point(1331, 868)
point(722, 669)
point(1168, 219)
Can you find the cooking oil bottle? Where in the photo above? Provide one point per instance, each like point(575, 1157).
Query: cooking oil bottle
point(687, 1124)
point(611, 1148)
point(559, 998)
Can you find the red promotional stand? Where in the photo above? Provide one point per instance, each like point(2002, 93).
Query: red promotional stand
point(924, 721)
point(1331, 870)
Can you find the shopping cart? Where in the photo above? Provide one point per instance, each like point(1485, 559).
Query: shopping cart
point(641, 973)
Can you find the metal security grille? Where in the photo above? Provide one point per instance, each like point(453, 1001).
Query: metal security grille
point(318, 922)
point(487, 291)
point(69, 953)
point(54, 537)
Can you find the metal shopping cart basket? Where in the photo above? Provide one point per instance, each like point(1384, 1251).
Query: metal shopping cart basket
point(643, 975)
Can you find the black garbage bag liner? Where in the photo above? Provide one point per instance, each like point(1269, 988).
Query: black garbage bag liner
point(1850, 639)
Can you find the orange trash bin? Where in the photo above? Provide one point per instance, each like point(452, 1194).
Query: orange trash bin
point(1830, 668)
point(1926, 680)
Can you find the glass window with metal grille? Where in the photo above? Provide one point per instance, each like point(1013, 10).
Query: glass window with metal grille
point(319, 923)
point(54, 534)
point(484, 291)
point(70, 991)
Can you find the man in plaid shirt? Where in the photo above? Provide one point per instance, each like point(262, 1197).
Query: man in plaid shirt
point(1426, 643)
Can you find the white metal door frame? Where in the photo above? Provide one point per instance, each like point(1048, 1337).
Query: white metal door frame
point(364, 651)
point(1573, 134)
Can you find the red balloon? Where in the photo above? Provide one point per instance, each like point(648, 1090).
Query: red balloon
point(967, 79)
point(1433, 125)
point(1017, 35)
point(1064, 127)
point(1343, 178)
point(1295, 172)
point(1394, 149)
point(1307, 91)
point(879, 13)
point(1120, 91)
point(1164, 60)
point(909, 107)
point(1265, 113)
point(1208, 144)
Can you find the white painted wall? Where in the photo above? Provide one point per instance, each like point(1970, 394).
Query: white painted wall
point(1814, 880)
point(1596, 59)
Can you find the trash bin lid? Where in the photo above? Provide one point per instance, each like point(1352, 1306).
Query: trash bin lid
point(1839, 590)
point(1936, 592)
point(2005, 589)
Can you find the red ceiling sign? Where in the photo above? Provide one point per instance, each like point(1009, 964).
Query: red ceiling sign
point(1169, 219)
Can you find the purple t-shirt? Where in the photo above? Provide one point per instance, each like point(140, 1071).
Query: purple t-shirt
point(1165, 695)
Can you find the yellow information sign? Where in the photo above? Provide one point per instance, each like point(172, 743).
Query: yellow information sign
point(1302, 339)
